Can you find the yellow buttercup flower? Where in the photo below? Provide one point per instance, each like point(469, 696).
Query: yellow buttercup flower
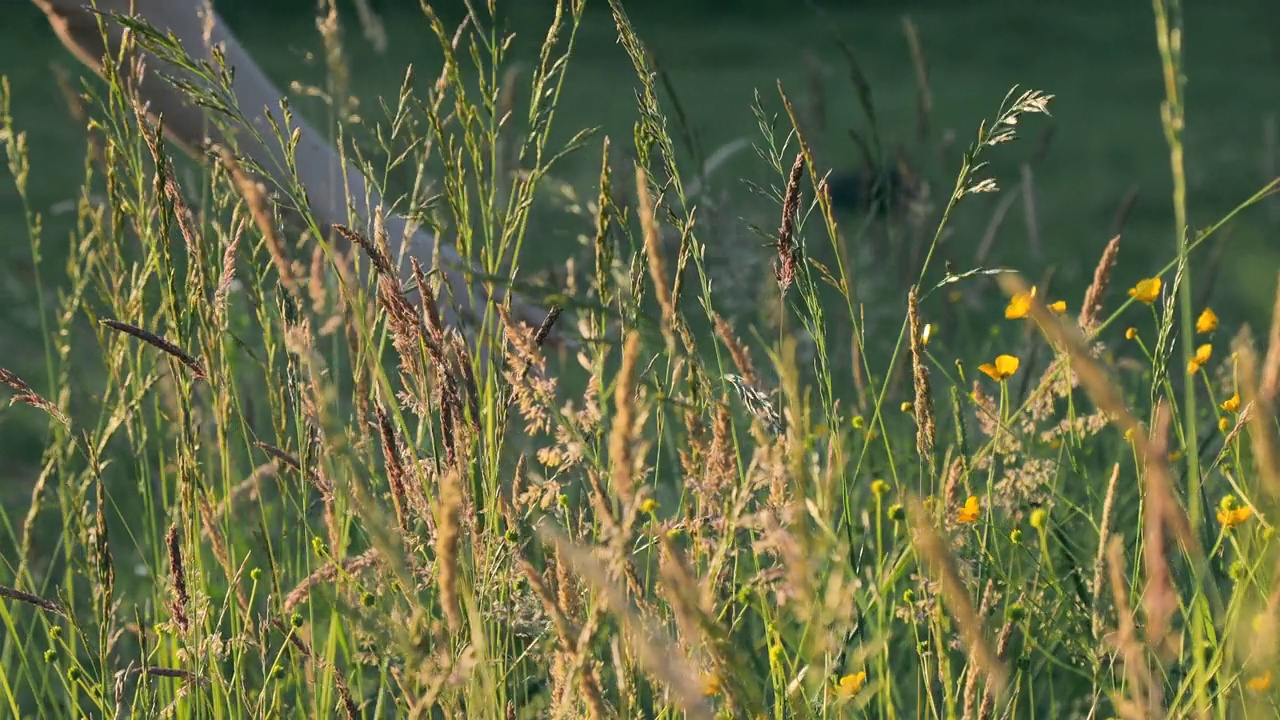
point(1199, 359)
point(1020, 304)
point(1131, 333)
point(1231, 515)
point(971, 510)
point(1259, 683)
point(1058, 307)
point(1002, 368)
point(1207, 322)
point(1223, 424)
point(1232, 404)
point(850, 685)
point(710, 684)
point(1146, 291)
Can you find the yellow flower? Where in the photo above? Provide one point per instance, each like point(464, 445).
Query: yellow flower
point(906, 407)
point(1223, 424)
point(1146, 291)
point(648, 506)
point(850, 685)
point(1260, 683)
point(1020, 304)
point(879, 487)
point(1058, 307)
point(1207, 322)
point(1131, 333)
point(1004, 366)
point(971, 510)
point(1230, 515)
point(1039, 517)
point(710, 684)
point(1232, 404)
point(1199, 359)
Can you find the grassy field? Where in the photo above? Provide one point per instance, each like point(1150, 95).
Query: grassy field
point(749, 492)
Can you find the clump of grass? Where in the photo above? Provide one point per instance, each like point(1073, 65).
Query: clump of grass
point(339, 497)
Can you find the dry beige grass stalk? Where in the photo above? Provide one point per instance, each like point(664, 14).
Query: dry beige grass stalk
point(1104, 533)
point(1270, 385)
point(925, 429)
point(653, 248)
point(623, 436)
point(788, 262)
point(448, 541)
point(1142, 699)
point(1162, 514)
point(741, 356)
point(1091, 308)
point(661, 657)
point(932, 550)
point(255, 197)
point(1259, 421)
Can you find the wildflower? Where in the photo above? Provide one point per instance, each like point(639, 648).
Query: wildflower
point(879, 487)
point(1199, 359)
point(1015, 536)
point(850, 685)
point(1131, 333)
point(1020, 304)
point(776, 652)
point(897, 512)
point(970, 512)
point(1207, 322)
point(1232, 404)
point(648, 506)
point(1230, 515)
point(1039, 517)
point(1260, 683)
point(1002, 368)
point(905, 407)
point(1058, 307)
point(1146, 291)
point(1223, 424)
point(710, 684)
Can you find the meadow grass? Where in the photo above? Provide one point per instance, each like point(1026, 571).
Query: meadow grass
point(809, 485)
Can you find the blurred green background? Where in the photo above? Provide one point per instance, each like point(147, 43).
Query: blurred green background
point(1098, 57)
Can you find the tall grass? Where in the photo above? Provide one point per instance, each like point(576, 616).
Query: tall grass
point(274, 489)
